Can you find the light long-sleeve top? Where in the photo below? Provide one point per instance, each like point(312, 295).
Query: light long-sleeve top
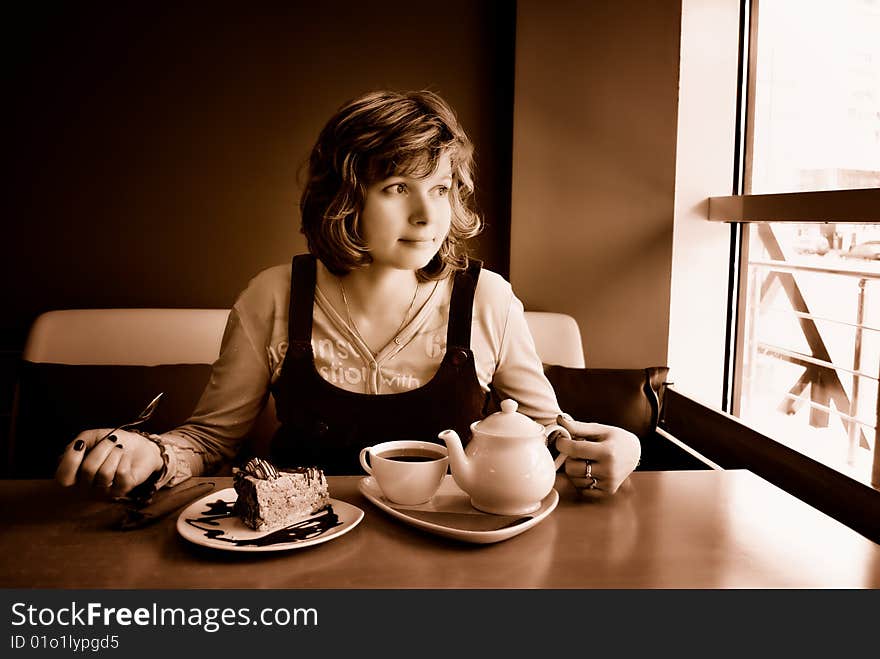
point(255, 341)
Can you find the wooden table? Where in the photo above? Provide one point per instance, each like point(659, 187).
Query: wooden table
point(686, 529)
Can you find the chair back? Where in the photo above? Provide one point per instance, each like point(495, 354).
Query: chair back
point(557, 338)
point(145, 337)
point(192, 336)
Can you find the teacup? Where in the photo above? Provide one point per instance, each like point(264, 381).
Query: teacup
point(407, 472)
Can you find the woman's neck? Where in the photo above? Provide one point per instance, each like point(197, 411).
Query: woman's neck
point(372, 293)
point(383, 287)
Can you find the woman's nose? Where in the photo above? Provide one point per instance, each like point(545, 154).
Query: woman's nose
point(420, 210)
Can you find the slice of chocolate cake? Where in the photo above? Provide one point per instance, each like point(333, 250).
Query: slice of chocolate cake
point(270, 499)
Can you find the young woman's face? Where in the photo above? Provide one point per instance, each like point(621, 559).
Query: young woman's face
point(405, 220)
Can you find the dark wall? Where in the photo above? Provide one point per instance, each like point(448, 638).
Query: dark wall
point(156, 151)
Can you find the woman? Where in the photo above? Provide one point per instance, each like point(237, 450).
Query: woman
point(385, 330)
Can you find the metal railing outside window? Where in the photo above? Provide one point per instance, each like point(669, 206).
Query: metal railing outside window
point(811, 344)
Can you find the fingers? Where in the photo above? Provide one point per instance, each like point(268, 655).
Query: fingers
point(584, 429)
point(123, 481)
point(121, 462)
point(583, 449)
point(75, 453)
point(581, 474)
point(94, 461)
point(106, 473)
point(597, 441)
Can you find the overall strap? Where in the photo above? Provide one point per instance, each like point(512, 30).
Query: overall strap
point(302, 299)
point(461, 306)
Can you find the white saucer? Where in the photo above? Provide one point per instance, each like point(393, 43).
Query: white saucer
point(452, 499)
point(210, 522)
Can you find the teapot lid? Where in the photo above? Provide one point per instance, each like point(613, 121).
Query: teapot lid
point(508, 422)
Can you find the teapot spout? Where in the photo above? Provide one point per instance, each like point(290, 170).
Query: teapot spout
point(459, 463)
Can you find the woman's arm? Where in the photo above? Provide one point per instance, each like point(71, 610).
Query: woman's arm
point(233, 399)
point(519, 373)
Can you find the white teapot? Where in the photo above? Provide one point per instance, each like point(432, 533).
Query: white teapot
point(506, 468)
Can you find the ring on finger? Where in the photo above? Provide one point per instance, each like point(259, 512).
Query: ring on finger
point(589, 472)
point(594, 484)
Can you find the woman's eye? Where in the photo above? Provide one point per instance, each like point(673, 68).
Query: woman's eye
point(396, 188)
point(442, 191)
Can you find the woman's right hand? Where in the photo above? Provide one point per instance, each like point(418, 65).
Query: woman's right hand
point(116, 464)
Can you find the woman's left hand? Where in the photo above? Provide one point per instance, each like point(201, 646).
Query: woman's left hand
point(600, 457)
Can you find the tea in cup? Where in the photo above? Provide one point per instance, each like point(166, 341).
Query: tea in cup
point(407, 472)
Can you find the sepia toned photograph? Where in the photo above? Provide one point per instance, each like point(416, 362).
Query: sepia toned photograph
point(524, 295)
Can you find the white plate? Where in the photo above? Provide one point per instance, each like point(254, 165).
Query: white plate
point(452, 499)
point(210, 522)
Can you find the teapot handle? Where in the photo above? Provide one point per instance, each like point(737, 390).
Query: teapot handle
point(549, 430)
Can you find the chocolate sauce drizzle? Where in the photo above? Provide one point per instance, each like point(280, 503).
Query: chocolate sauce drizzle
point(311, 527)
point(260, 468)
point(309, 472)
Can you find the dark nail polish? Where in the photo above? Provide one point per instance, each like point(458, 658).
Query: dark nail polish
point(78, 445)
point(119, 446)
point(112, 438)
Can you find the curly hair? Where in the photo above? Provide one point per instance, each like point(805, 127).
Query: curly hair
point(373, 137)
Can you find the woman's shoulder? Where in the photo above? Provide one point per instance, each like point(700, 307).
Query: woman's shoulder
point(492, 298)
point(267, 290)
point(492, 287)
point(271, 277)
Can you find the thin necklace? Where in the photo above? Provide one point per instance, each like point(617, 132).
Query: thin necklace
point(354, 326)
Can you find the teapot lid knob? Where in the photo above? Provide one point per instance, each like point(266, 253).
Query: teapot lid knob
point(509, 423)
point(508, 406)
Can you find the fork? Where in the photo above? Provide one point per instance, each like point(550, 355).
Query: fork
point(143, 417)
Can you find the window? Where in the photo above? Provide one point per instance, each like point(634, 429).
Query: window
point(814, 98)
point(808, 332)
